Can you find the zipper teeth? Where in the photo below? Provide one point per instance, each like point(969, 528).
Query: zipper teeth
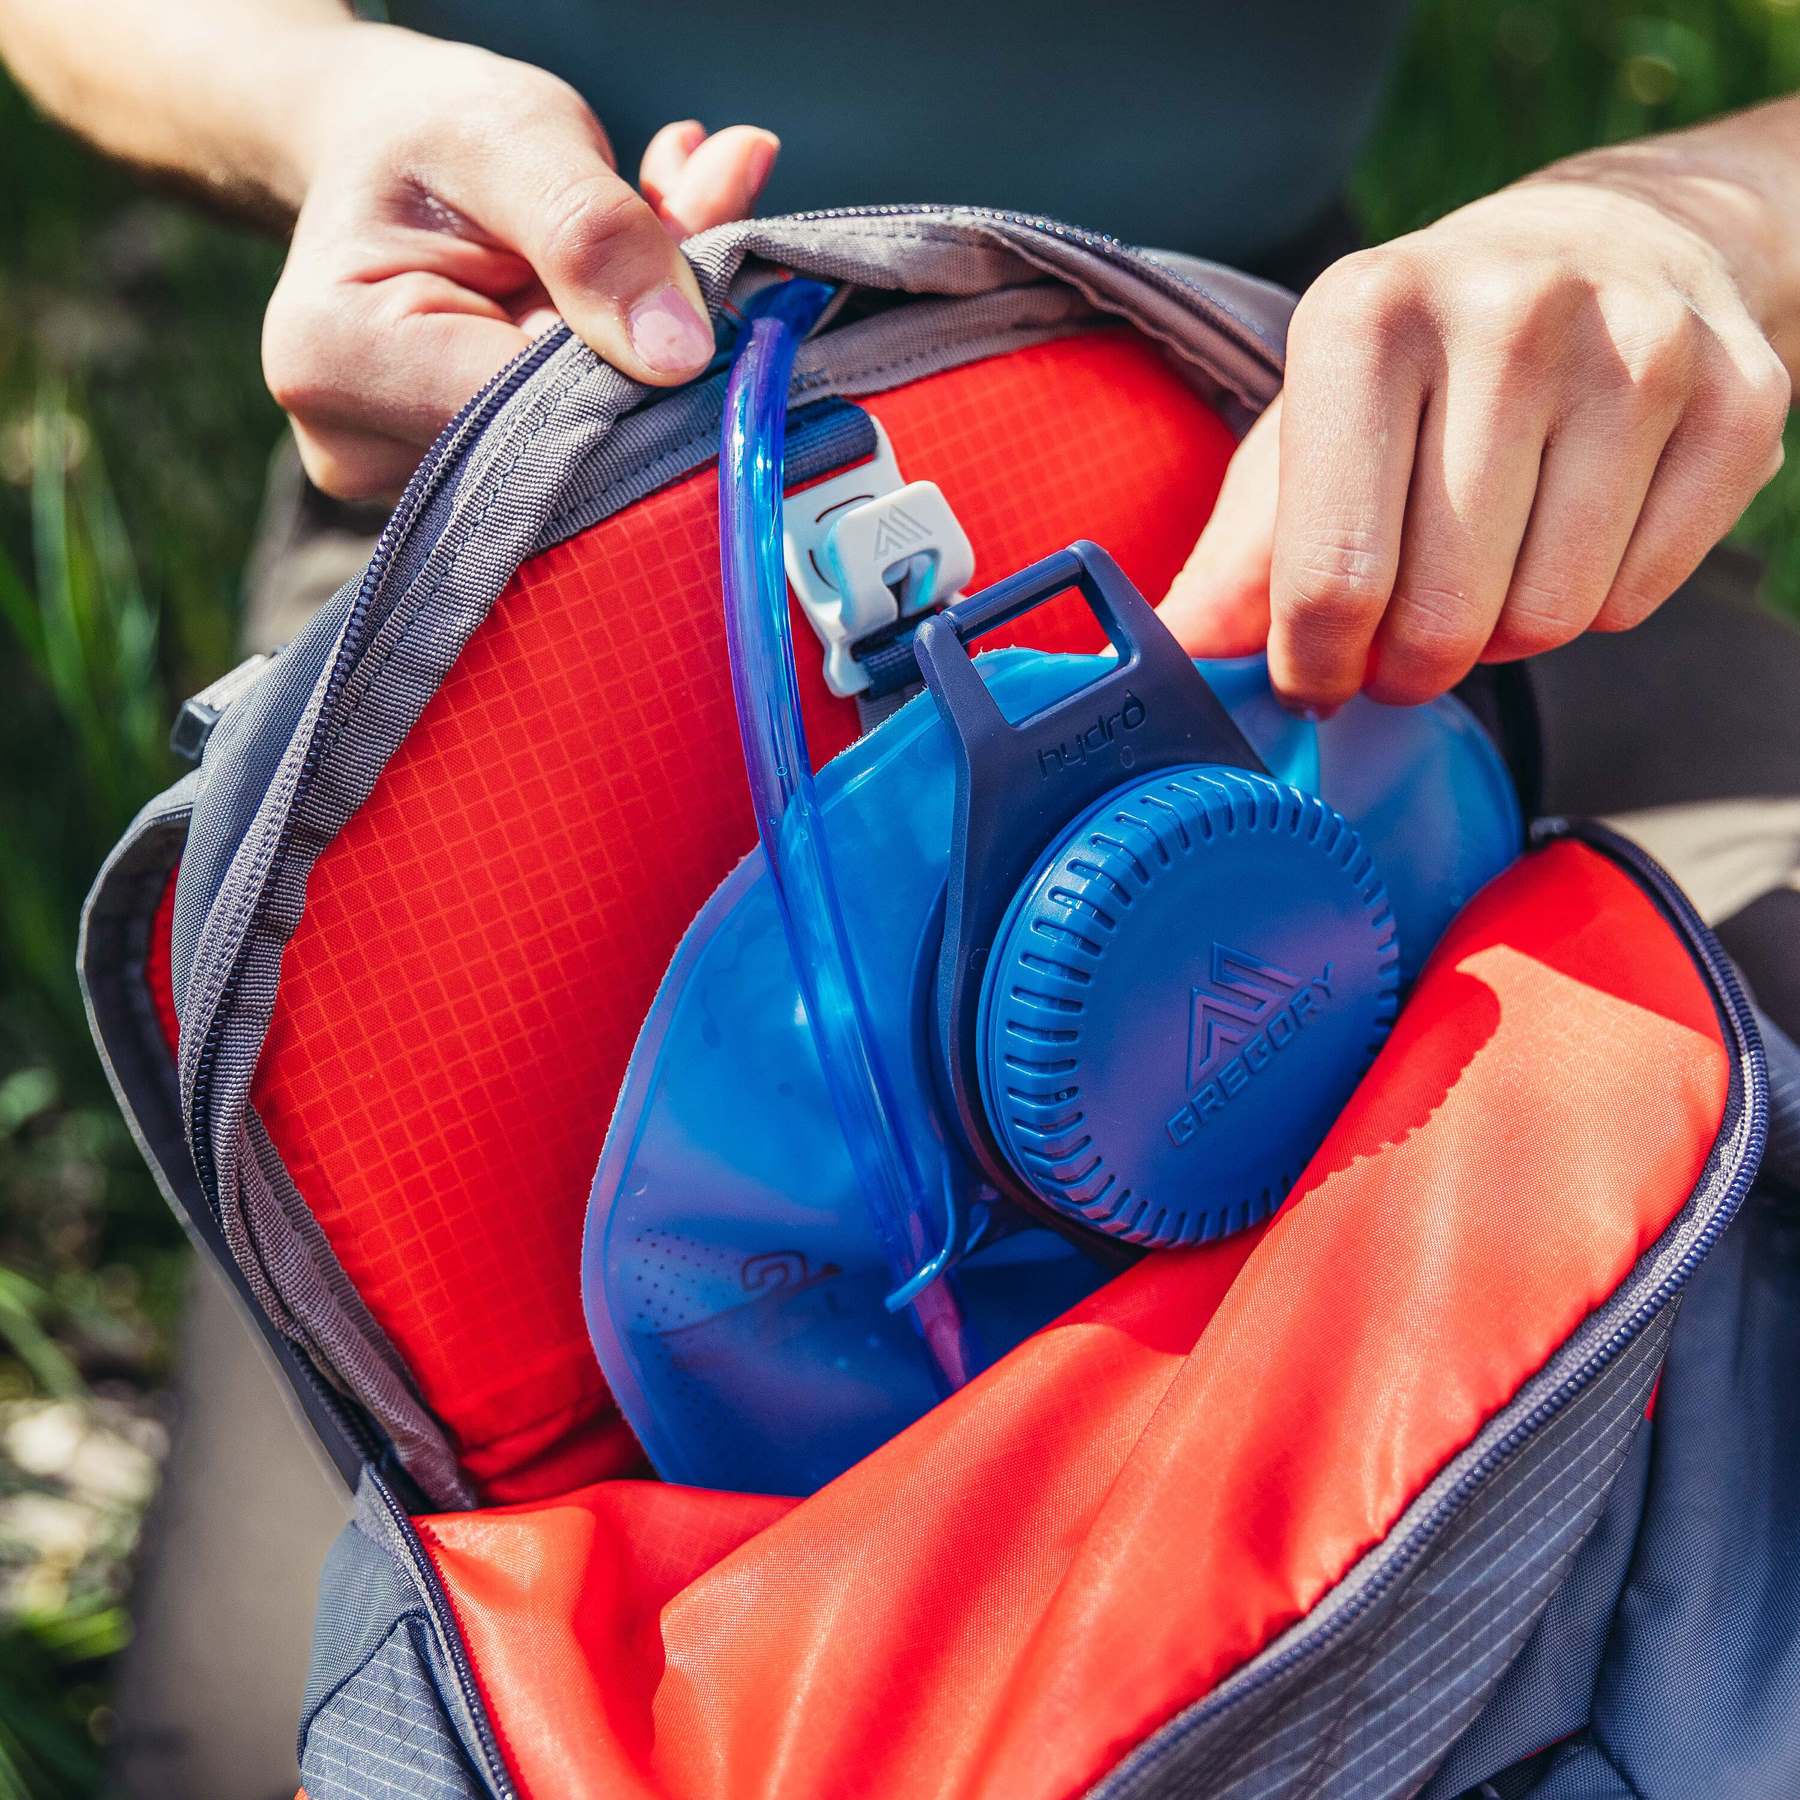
point(1752, 1104)
point(406, 514)
point(444, 1619)
point(355, 1429)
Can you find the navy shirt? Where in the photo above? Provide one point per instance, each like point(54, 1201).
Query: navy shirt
point(1224, 127)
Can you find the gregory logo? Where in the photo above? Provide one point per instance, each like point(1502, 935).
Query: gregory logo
point(1246, 1015)
point(1106, 734)
point(897, 532)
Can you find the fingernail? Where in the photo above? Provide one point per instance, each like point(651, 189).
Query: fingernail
point(1306, 709)
point(761, 161)
point(668, 334)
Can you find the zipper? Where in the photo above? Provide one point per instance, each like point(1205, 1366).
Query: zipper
point(443, 1619)
point(293, 1361)
point(1746, 1119)
point(420, 490)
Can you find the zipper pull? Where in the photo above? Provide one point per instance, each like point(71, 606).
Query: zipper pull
point(200, 713)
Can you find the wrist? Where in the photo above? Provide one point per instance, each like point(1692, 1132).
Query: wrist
point(313, 71)
point(244, 133)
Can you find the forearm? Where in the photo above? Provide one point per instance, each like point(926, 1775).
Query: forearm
point(1736, 184)
point(214, 93)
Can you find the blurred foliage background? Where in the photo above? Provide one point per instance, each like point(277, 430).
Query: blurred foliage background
point(134, 432)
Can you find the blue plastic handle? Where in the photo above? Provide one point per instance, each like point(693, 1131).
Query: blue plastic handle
point(1018, 785)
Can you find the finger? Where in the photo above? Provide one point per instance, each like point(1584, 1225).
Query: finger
point(1725, 449)
point(1349, 426)
point(1591, 488)
point(1219, 604)
point(607, 264)
point(721, 180)
point(1474, 474)
point(395, 357)
point(665, 156)
point(354, 465)
point(529, 308)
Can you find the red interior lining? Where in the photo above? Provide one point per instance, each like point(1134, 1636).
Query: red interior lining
point(481, 942)
point(1010, 1595)
point(159, 966)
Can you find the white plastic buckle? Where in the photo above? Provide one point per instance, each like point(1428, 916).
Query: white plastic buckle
point(865, 549)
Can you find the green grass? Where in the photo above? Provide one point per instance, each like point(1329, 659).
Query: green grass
point(133, 434)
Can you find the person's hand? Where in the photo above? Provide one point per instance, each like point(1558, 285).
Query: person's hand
point(455, 205)
point(1527, 421)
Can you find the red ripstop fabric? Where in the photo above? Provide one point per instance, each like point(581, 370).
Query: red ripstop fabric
point(481, 942)
point(1016, 1591)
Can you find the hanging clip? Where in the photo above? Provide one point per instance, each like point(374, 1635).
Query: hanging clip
point(865, 549)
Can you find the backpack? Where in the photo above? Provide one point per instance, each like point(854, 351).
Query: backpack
point(1470, 1472)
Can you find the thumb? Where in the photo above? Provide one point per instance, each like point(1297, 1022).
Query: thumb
point(695, 181)
point(1219, 604)
point(602, 255)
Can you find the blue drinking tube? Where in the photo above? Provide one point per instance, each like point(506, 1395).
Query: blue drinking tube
point(759, 634)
